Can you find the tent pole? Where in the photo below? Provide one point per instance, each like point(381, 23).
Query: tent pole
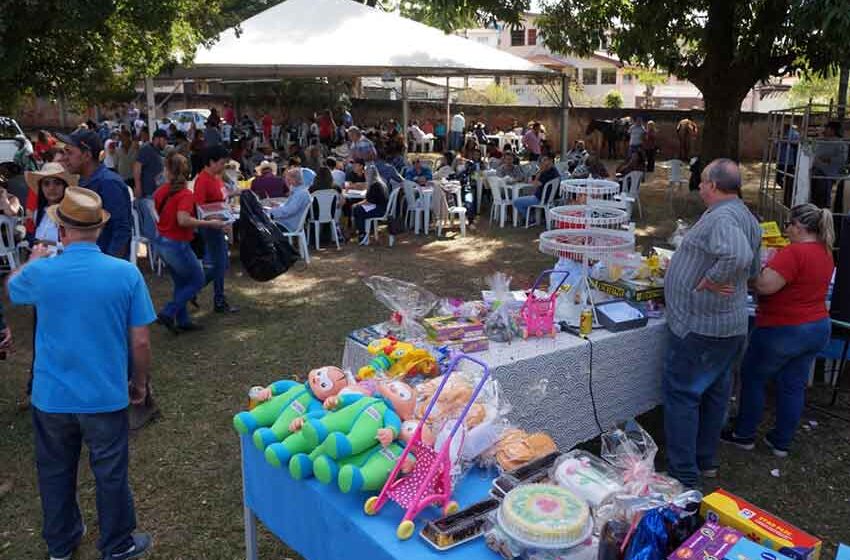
point(565, 114)
point(405, 109)
point(151, 104)
point(448, 113)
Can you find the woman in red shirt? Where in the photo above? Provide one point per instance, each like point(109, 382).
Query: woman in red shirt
point(175, 205)
point(792, 326)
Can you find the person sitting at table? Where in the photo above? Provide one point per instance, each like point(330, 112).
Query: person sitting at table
point(356, 176)
point(493, 151)
point(307, 174)
point(792, 327)
point(509, 169)
point(360, 146)
point(547, 172)
point(418, 135)
point(389, 173)
point(324, 181)
point(418, 173)
point(635, 162)
point(337, 173)
point(267, 184)
point(592, 167)
point(288, 215)
point(377, 198)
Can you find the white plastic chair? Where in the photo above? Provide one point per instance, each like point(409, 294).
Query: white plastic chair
point(495, 163)
point(458, 210)
point(676, 179)
point(301, 233)
point(327, 200)
point(372, 223)
point(8, 248)
point(501, 202)
point(415, 205)
point(529, 169)
point(631, 188)
point(479, 186)
point(550, 189)
point(443, 172)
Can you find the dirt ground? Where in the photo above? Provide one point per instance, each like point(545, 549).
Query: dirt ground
point(185, 467)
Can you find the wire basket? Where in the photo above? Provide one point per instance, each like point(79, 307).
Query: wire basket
point(593, 188)
point(582, 216)
point(594, 244)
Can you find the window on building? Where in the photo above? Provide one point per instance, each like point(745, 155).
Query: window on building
point(518, 37)
point(588, 76)
point(627, 79)
point(609, 76)
point(532, 37)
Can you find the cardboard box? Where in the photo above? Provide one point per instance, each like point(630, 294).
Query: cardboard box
point(470, 345)
point(725, 508)
point(632, 291)
point(443, 329)
point(746, 549)
point(711, 541)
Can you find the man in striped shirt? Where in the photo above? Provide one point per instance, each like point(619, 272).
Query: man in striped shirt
point(706, 297)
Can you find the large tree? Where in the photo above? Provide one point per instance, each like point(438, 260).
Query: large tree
point(724, 47)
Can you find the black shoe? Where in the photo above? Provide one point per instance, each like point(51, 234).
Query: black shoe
point(728, 436)
point(189, 327)
point(194, 302)
point(168, 322)
point(224, 307)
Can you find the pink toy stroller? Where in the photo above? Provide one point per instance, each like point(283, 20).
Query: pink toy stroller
point(538, 313)
point(430, 481)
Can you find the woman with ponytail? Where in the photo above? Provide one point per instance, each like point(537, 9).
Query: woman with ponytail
point(175, 205)
point(792, 326)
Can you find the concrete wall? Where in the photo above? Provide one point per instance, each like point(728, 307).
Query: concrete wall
point(753, 129)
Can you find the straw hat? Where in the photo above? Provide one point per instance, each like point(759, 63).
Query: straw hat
point(50, 169)
point(80, 209)
point(266, 165)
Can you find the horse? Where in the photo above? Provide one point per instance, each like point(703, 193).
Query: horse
point(613, 131)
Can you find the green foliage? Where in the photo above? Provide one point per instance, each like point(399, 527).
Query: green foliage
point(313, 93)
point(497, 95)
point(820, 88)
point(614, 99)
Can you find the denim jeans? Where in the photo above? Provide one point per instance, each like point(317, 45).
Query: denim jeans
point(186, 275)
point(58, 442)
point(455, 140)
point(360, 216)
point(215, 261)
point(786, 355)
point(523, 203)
point(696, 385)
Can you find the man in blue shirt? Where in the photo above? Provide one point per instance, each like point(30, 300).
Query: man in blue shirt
point(93, 316)
point(82, 152)
point(547, 173)
point(419, 174)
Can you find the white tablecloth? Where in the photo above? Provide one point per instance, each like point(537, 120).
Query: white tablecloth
point(546, 380)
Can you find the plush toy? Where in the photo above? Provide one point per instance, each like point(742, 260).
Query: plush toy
point(353, 428)
point(394, 358)
point(287, 400)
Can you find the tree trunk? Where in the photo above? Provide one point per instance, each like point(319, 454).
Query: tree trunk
point(720, 130)
point(842, 90)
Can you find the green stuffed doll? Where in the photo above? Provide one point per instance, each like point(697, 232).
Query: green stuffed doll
point(285, 401)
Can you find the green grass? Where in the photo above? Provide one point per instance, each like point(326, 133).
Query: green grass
point(185, 467)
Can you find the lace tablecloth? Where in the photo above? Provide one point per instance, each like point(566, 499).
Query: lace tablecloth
point(547, 381)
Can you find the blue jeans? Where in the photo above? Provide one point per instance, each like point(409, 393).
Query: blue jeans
point(523, 203)
point(696, 385)
point(455, 140)
point(58, 442)
point(216, 261)
point(360, 216)
point(786, 355)
point(186, 275)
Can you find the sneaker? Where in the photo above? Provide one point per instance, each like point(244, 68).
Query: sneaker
point(189, 327)
point(364, 240)
point(167, 322)
point(728, 436)
point(777, 452)
point(141, 544)
point(224, 307)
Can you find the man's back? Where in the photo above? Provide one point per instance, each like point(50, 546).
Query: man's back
point(86, 303)
point(115, 236)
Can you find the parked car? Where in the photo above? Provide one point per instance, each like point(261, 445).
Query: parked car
point(185, 117)
point(9, 129)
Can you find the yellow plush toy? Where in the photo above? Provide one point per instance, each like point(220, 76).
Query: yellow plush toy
point(394, 358)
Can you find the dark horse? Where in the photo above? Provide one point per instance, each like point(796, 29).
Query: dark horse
point(613, 132)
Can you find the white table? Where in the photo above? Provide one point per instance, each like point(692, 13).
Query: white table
point(547, 381)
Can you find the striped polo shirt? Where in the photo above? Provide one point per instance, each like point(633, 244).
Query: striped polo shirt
point(722, 246)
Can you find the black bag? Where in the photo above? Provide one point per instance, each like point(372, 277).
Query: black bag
point(263, 249)
point(396, 224)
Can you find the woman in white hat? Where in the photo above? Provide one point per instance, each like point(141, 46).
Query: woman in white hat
point(49, 185)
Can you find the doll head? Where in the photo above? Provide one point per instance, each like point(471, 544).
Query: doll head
point(327, 381)
point(409, 426)
point(401, 395)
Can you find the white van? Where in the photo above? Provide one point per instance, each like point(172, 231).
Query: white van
point(8, 130)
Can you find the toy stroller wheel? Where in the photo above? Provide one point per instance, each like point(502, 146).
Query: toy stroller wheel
point(405, 529)
point(451, 508)
point(369, 507)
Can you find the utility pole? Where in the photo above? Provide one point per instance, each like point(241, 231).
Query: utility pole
point(842, 89)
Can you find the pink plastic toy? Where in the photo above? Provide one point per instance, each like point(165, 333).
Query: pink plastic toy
point(538, 313)
point(429, 483)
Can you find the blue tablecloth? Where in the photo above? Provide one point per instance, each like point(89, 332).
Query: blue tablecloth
point(321, 523)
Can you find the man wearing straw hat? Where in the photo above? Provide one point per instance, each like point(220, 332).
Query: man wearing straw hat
point(267, 184)
point(93, 313)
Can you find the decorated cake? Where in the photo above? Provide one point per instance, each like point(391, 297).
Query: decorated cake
point(544, 515)
point(587, 476)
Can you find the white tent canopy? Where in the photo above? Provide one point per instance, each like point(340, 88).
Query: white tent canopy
point(344, 38)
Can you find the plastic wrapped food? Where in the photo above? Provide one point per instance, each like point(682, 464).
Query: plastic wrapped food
point(455, 529)
point(631, 450)
point(587, 476)
point(517, 447)
point(500, 324)
point(408, 302)
point(458, 308)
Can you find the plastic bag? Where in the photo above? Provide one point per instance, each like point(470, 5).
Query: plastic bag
point(408, 302)
point(500, 324)
point(587, 476)
point(649, 541)
point(631, 450)
point(682, 228)
point(464, 309)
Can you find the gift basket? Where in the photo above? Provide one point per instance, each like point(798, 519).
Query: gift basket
point(408, 302)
